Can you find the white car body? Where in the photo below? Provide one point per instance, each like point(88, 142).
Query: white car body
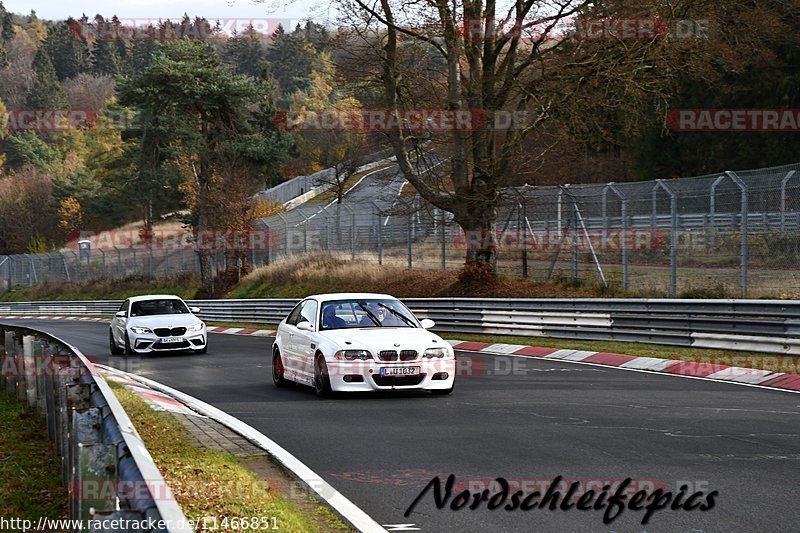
point(156, 323)
point(385, 356)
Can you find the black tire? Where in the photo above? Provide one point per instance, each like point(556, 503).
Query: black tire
point(278, 370)
point(322, 381)
point(112, 346)
point(128, 349)
point(202, 350)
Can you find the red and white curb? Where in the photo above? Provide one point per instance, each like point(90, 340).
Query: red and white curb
point(211, 329)
point(167, 398)
point(242, 331)
point(786, 382)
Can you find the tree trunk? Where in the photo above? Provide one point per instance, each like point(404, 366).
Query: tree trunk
point(203, 253)
point(478, 219)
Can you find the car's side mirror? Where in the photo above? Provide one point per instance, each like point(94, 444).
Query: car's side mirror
point(121, 314)
point(194, 310)
point(305, 325)
point(427, 323)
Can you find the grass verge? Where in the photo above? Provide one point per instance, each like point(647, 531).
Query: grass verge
point(109, 289)
point(30, 468)
point(211, 483)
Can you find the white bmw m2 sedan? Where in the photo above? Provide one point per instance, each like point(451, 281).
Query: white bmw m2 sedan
point(156, 323)
point(353, 342)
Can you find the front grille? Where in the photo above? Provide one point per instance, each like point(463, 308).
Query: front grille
point(408, 355)
point(171, 345)
point(398, 381)
point(169, 332)
point(388, 355)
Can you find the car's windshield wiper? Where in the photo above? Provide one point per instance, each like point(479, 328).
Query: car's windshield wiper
point(369, 314)
point(398, 314)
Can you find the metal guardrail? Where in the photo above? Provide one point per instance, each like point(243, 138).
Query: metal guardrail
point(111, 479)
point(765, 326)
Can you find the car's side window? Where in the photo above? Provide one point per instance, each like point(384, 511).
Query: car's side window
point(294, 316)
point(124, 306)
point(308, 311)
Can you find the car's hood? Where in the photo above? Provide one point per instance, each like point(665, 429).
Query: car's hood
point(384, 338)
point(163, 321)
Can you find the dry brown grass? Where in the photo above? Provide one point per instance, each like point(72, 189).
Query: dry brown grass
point(295, 277)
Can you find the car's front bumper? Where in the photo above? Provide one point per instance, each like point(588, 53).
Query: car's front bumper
point(355, 376)
point(151, 343)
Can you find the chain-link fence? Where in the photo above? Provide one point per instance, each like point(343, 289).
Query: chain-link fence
point(727, 234)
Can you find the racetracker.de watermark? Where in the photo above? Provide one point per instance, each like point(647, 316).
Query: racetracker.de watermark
point(166, 29)
point(585, 29)
point(597, 240)
point(171, 240)
point(740, 120)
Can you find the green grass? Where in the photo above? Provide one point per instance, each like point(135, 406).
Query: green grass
point(211, 483)
point(30, 468)
point(184, 286)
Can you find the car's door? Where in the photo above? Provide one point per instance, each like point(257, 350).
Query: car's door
point(118, 323)
point(305, 343)
point(288, 333)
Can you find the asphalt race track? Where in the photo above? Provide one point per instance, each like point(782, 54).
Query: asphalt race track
point(542, 420)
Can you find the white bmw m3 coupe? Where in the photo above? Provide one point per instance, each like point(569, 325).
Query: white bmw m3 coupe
point(355, 342)
point(156, 323)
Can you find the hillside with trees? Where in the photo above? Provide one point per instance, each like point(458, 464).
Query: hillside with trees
point(132, 124)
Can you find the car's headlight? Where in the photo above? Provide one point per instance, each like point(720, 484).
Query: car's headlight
point(436, 352)
point(196, 327)
point(352, 355)
point(142, 331)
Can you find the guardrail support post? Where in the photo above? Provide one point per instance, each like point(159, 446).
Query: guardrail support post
point(40, 367)
point(2, 359)
point(94, 486)
point(29, 370)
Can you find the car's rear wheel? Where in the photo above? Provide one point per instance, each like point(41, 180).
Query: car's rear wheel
point(112, 346)
point(128, 349)
point(278, 371)
point(322, 380)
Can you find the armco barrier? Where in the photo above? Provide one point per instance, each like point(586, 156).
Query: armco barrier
point(767, 326)
point(110, 477)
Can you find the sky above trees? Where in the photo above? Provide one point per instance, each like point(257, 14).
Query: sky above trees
point(211, 9)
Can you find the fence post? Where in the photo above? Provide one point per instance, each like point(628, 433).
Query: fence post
point(743, 215)
point(353, 235)
point(624, 237)
point(444, 239)
point(380, 237)
point(673, 245)
point(410, 238)
point(783, 200)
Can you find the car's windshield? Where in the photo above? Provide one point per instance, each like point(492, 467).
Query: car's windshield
point(161, 306)
point(366, 313)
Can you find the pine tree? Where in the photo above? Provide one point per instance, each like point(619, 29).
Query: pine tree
point(46, 91)
point(243, 52)
point(104, 57)
point(68, 50)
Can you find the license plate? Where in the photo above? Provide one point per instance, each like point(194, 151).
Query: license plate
point(400, 371)
point(168, 340)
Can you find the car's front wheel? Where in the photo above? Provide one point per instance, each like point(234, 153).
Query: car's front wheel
point(322, 380)
point(278, 371)
point(112, 345)
point(128, 349)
